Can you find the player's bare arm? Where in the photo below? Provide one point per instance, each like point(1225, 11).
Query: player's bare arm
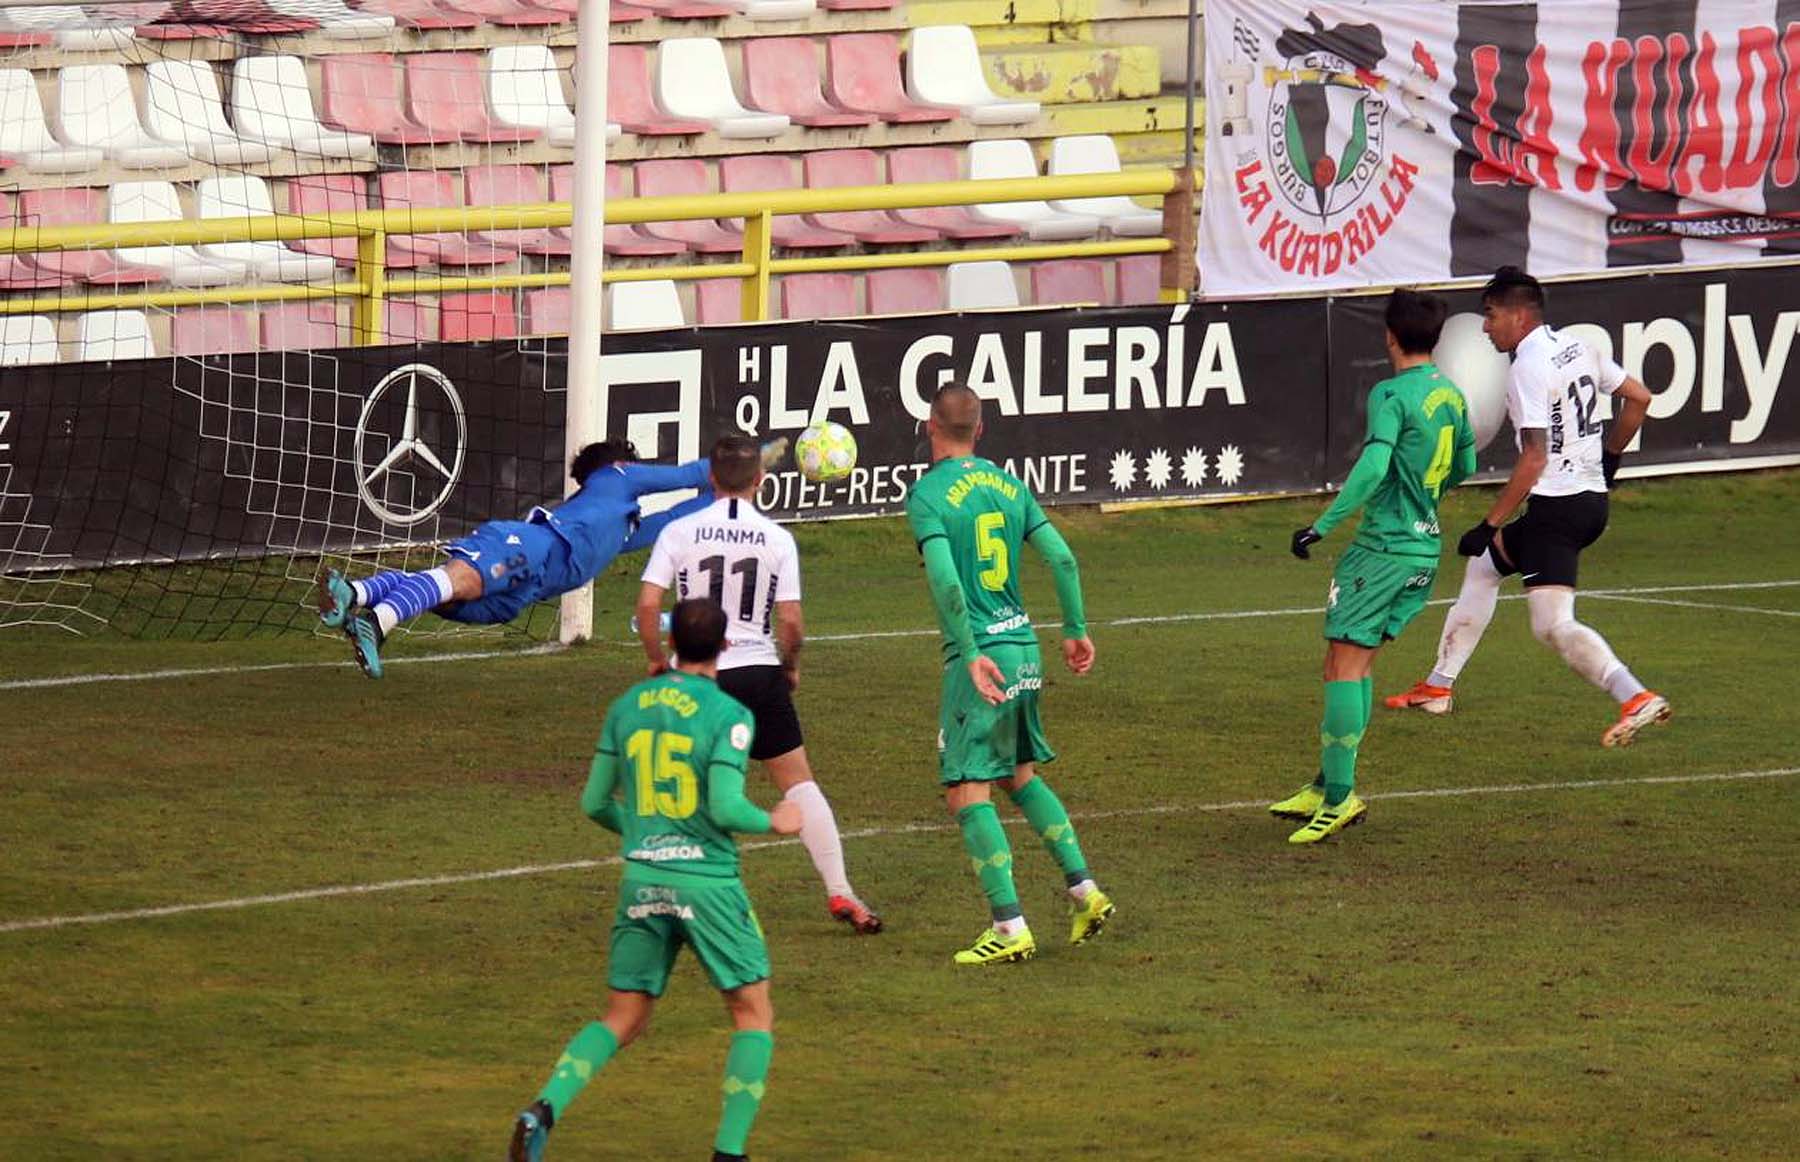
point(649, 626)
point(790, 635)
point(1533, 455)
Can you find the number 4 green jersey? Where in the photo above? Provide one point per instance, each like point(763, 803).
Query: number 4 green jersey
point(675, 746)
point(1423, 418)
point(986, 514)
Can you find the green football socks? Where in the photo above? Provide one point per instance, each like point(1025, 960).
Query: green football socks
point(746, 1075)
point(585, 1056)
point(1346, 716)
point(991, 855)
point(1044, 811)
point(1368, 685)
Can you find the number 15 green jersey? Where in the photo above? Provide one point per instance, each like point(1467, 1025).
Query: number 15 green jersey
point(986, 514)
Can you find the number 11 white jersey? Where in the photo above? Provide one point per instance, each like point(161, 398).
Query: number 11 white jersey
point(732, 553)
point(1556, 385)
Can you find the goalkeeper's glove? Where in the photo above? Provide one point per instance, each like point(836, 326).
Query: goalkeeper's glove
point(1609, 465)
point(1476, 541)
point(1303, 538)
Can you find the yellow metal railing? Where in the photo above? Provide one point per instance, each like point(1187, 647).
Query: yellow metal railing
point(370, 285)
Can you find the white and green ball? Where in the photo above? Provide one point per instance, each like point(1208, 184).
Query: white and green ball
point(825, 452)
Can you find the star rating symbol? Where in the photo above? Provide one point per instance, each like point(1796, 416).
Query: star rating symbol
point(1122, 471)
point(1230, 464)
point(1193, 467)
point(1158, 469)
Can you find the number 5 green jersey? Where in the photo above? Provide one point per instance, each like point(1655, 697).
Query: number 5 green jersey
point(675, 746)
point(986, 514)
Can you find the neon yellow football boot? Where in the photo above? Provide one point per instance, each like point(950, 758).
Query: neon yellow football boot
point(1328, 821)
point(1302, 804)
point(1089, 917)
point(992, 948)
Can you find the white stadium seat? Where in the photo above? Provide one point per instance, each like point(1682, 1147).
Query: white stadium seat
point(1012, 158)
point(974, 285)
point(247, 196)
point(943, 67)
point(25, 136)
point(525, 88)
point(95, 108)
point(180, 265)
point(272, 102)
point(182, 105)
point(113, 335)
point(692, 82)
point(26, 339)
point(647, 305)
point(1095, 153)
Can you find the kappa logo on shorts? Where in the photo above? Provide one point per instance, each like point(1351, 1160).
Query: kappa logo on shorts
point(940, 741)
point(740, 736)
point(1331, 596)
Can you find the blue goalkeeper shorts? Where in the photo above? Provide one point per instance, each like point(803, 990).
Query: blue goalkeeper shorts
point(519, 562)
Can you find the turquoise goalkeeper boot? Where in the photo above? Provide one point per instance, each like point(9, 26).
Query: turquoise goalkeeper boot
point(365, 637)
point(335, 599)
point(530, 1132)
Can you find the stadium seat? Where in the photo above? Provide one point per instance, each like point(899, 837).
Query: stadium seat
point(444, 93)
point(547, 311)
point(1095, 153)
point(16, 270)
point(1012, 158)
point(512, 185)
point(943, 67)
point(525, 90)
point(1069, 282)
point(823, 295)
point(77, 207)
point(647, 305)
point(752, 172)
point(1139, 278)
point(974, 285)
point(719, 300)
point(858, 167)
point(410, 320)
point(245, 17)
point(213, 330)
point(781, 74)
point(673, 176)
point(509, 12)
point(623, 240)
point(182, 105)
point(113, 335)
point(270, 102)
point(360, 92)
point(303, 326)
point(432, 189)
point(628, 96)
point(862, 74)
point(336, 21)
point(905, 291)
point(686, 9)
point(774, 9)
point(25, 135)
point(693, 82)
point(329, 193)
point(180, 265)
point(938, 163)
point(478, 315)
point(421, 14)
point(70, 27)
point(247, 196)
point(95, 108)
point(857, 5)
point(26, 340)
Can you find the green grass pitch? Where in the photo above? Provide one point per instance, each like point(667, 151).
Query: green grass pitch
point(1533, 969)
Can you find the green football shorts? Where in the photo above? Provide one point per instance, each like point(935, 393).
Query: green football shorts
point(1374, 595)
point(980, 743)
point(715, 920)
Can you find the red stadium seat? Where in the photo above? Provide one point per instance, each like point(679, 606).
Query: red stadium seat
point(936, 163)
point(329, 193)
point(512, 185)
point(688, 9)
point(242, 16)
point(906, 291)
point(304, 326)
point(420, 14)
point(684, 176)
point(858, 167)
point(77, 207)
point(862, 74)
point(445, 94)
point(781, 75)
point(213, 330)
point(508, 12)
point(16, 270)
point(421, 189)
point(775, 171)
point(623, 240)
point(628, 96)
point(1140, 280)
point(719, 300)
point(477, 315)
point(411, 321)
point(361, 92)
point(547, 311)
point(1068, 281)
point(824, 295)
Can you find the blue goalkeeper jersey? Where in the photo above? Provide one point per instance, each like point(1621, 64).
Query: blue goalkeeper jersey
point(600, 520)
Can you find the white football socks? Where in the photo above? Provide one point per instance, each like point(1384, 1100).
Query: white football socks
point(1010, 928)
point(1468, 619)
point(1586, 652)
point(1079, 892)
point(819, 832)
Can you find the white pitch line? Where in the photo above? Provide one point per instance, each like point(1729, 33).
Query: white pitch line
point(1636, 600)
point(342, 890)
point(864, 635)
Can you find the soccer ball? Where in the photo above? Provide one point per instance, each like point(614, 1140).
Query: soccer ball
point(825, 452)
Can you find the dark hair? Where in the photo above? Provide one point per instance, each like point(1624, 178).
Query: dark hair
point(597, 456)
point(1512, 287)
point(1416, 319)
point(735, 462)
point(957, 410)
point(698, 627)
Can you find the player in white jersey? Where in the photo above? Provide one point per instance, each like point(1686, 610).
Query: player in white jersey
point(747, 563)
point(1567, 457)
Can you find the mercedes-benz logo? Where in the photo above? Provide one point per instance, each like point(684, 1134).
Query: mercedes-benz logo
point(409, 447)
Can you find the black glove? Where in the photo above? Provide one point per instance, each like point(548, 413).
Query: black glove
point(1609, 465)
point(1476, 541)
point(1302, 538)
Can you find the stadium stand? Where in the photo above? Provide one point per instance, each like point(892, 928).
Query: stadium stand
point(974, 285)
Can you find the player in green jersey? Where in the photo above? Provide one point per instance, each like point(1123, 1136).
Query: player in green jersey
point(674, 747)
point(1419, 444)
point(971, 520)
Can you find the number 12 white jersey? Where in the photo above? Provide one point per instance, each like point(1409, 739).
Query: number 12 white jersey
point(1556, 385)
point(732, 553)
